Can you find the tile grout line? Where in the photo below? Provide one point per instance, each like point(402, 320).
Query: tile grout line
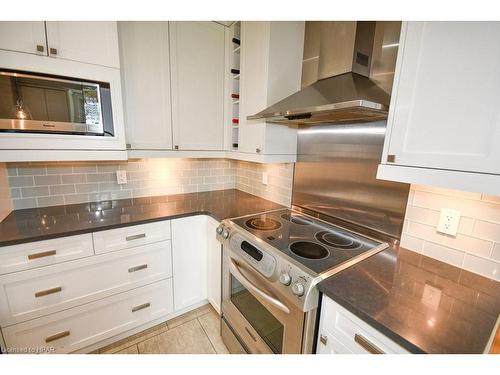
point(206, 334)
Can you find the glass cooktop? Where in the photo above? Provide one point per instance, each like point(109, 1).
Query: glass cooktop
point(317, 245)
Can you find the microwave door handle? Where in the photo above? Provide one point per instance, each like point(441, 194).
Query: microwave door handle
point(248, 284)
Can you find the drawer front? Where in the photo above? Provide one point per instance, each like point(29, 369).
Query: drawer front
point(79, 327)
point(136, 235)
point(34, 293)
point(43, 253)
point(328, 344)
point(354, 334)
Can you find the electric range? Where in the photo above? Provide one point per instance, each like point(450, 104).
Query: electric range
point(272, 263)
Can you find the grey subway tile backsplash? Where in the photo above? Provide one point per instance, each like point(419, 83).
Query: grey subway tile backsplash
point(47, 184)
point(21, 181)
point(47, 180)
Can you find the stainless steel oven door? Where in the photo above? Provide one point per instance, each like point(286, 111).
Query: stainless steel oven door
point(259, 316)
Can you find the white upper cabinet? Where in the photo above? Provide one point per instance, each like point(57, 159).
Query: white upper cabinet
point(93, 42)
point(444, 110)
point(197, 81)
point(23, 36)
point(145, 68)
point(271, 68)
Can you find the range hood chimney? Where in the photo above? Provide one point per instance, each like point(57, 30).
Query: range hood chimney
point(347, 74)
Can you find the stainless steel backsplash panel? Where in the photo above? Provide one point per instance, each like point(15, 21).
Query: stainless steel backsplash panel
point(335, 175)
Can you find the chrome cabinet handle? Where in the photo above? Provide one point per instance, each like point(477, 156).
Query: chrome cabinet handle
point(367, 345)
point(46, 292)
point(248, 284)
point(135, 237)
point(323, 339)
point(53, 51)
point(250, 334)
point(42, 254)
point(140, 307)
point(40, 48)
point(137, 268)
point(57, 336)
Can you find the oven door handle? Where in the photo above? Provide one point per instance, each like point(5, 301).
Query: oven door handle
point(248, 284)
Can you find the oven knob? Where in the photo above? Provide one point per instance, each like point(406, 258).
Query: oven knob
point(298, 289)
point(225, 234)
point(219, 230)
point(285, 279)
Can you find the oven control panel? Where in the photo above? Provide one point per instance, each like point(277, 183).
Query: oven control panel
point(300, 286)
point(283, 275)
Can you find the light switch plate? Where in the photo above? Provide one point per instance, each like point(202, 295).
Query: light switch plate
point(449, 221)
point(121, 177)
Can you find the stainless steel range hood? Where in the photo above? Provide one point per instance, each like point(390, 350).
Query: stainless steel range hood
point(347, 74)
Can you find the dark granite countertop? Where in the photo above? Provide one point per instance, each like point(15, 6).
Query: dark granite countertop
point(391, 292)
point(58, 221)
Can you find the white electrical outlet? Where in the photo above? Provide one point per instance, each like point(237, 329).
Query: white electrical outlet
point(264, 178)
point(121, 177)
point(448, 221)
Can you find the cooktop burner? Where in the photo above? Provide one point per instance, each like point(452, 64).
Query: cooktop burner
point(338, 240)
point(309, 250)
point(315, 244)
point(263, 223)
point(296, 219)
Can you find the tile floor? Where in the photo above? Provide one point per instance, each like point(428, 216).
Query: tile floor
point(195, 332)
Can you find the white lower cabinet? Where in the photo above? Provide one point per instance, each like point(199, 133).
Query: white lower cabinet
point(21, 257)
point(34, 293)
point(214, 254)
point(189, 253)
point(73, 329)
point(80, 292)
point(341, 332)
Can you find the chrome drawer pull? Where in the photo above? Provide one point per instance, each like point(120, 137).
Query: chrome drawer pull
point(140, 307)
point(135, 237)
point(367, 345)
point(323, 339)
point(137, 268)
point(57, 336)
point(250, 334)
point(48, 291)
point(42, 254)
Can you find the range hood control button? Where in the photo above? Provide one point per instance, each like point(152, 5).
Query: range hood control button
point(285, 279)
point(298, 289)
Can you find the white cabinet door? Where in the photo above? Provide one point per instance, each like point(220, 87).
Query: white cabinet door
point(271, 67)
point(145, 68)
point(23, 36)
point(444, 110)
point(214, 271)
point(197, 74)
point(342, 332)
point(189, 260)
point(93, 42)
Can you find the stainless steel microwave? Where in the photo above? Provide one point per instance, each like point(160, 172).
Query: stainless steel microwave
point(40, 103)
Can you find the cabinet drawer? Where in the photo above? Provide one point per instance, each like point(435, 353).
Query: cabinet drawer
point(351, 332)
point(76, 328)
point(34, 293)
point(124, 238)
point(328, 344)
point(43, 253)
